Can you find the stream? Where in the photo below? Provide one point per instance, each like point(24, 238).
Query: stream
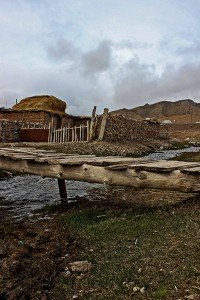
point(20, 195)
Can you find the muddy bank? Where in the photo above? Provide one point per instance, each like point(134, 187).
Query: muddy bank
point(33, 254)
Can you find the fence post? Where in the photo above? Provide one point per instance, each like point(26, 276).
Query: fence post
point(92, 122)
point(103, 124)
point(88, 131)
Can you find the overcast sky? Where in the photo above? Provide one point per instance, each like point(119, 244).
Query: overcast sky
point(109, 53)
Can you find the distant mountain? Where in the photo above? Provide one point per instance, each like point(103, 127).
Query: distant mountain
point(181, 111)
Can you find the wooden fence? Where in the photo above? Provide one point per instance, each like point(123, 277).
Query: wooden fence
point(28, 125)
point(70, 134)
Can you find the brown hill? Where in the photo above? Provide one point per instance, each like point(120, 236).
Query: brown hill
point(43, 102)
point(182, 111)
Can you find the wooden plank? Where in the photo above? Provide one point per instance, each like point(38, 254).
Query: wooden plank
point(163, 166)
point(29, 157)
point(117, 167)
point(95, 161)
point(194, 170)
point(65, 159)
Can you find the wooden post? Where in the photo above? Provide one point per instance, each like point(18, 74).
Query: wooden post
point(62, 189)
point(103, 124)
point(80, 133)
point(92, 122)
point(88, 131)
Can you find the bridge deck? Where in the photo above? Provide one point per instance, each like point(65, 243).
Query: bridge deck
point(112, 170)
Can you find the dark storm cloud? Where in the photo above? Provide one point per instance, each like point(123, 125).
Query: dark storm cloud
point(138, 83)
point(63, 50)
point(97, 60)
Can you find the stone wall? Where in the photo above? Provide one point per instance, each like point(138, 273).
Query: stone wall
point(9, 131)
point(119, 128)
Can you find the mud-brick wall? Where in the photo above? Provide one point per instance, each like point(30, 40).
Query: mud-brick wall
point(28, 116)
point(9, 131)
point(119, 128)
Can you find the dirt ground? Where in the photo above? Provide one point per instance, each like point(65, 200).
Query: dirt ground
point(188, 132)
point(33, 254)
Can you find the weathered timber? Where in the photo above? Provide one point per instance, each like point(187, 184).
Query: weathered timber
point(62, 189)
point(92, 125)
point(192, 170)
point(169, 175)
point(103, 124)
point(164, 166)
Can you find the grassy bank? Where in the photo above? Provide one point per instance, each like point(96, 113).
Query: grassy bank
point(154, 250)
point(135, 252)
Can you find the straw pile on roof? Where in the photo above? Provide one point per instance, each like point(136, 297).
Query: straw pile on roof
point(44, 102)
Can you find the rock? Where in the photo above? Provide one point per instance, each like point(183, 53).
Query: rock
point(142, 290)
point(135, 289)
point(190, 297)
point(68, 273)
point(80, 266)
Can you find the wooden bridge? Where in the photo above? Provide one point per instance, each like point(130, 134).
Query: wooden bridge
point(111, 170)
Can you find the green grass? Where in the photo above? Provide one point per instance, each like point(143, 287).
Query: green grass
point(156, 249)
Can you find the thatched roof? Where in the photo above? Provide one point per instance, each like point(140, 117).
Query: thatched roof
point(43, 102)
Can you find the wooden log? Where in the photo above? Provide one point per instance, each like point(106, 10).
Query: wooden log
point(174, 180)
point(103, 124)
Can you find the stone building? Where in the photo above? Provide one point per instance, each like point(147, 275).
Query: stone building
point(44, 110)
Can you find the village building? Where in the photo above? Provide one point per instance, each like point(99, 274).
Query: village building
point(43, 110)
point(36, 112)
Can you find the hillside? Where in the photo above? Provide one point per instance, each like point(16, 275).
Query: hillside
point(182, 111)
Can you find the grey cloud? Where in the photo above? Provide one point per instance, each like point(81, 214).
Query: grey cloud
point(193, 49)
point(98, 60)
point(139, 84)
point(63, 50)
point(132, 45)
point(17, 81)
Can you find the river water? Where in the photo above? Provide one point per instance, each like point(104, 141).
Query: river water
point(20, 195)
